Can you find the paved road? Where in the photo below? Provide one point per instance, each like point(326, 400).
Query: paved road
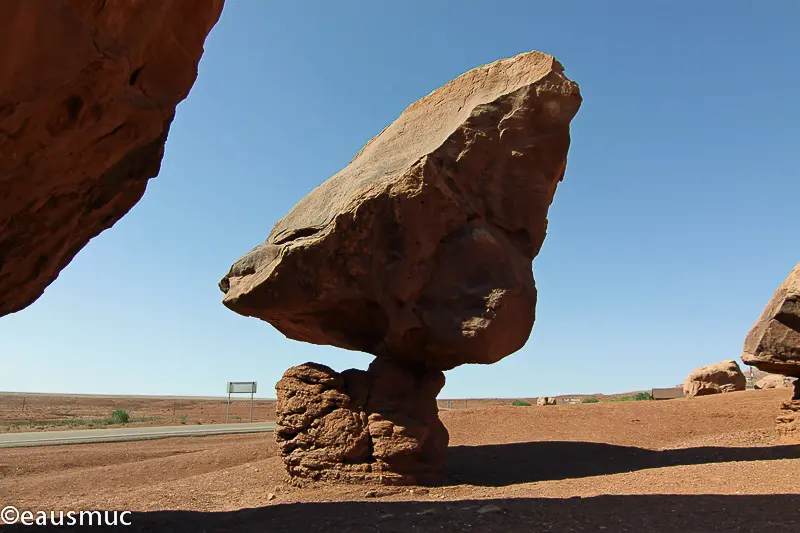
point(119, 434)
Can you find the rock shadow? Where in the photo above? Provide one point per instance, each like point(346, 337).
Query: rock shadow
point(657, 513)
point(498, 465)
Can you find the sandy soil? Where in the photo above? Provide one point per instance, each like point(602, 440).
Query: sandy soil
point(707, 464)
point(35, 412)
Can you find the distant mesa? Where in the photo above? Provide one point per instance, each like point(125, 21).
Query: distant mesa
point(419, 252)
point(718, 378)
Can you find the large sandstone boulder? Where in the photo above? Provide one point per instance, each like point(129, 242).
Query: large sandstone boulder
point(773, 345)
point(714, 379)
point(88, 90)
point(545, 400)
point(420, 249)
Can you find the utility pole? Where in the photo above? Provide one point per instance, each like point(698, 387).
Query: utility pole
point(228, 409)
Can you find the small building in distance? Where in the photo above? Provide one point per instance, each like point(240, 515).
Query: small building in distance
point(670, 393)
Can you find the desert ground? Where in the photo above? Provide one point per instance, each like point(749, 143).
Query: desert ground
point(53, 412)
point(50, 412)
point(706, 464)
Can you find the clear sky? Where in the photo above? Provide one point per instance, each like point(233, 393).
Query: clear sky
point(676, 221)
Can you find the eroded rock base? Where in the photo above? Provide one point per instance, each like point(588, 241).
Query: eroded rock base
point(379, 425)
point(789, 419)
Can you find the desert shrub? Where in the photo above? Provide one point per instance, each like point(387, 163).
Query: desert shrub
point(590, 399)
point(119, 416)
point(520, 403)
point(643, 396)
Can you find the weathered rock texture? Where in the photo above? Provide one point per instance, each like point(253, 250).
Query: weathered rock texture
point(419, 252)
point(88, 90)
point(546, 400)
point(773, 345)
point(420, 249)
point(789, 419)
point(379, 425)
point(715, 379)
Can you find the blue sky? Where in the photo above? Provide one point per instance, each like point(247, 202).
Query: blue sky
point(676, 221)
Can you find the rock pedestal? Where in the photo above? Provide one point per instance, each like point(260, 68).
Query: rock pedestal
point(789, 418)
point(379, 425)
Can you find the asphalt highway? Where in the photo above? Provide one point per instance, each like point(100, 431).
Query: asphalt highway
point(120, 434)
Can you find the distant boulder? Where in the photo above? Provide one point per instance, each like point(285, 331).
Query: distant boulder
point(546, 400)
point(714, 379)
point(774, 381)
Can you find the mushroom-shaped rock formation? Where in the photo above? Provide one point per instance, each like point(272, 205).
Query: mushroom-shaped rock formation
point(419, 252)
point(715, 379)
point(773, 345)
point(88, 90)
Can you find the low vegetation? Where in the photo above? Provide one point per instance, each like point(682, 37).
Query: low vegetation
point(590, 399)
point(520, 403)
point(118, 416)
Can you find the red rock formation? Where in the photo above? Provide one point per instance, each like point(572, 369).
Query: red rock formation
point(789, 418)
point(88, 90)
point(420, 249)
point(379, 425)
point(419, 252)
point(773, 345)
point(715, 379)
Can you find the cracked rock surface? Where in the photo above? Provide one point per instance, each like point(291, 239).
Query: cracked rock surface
point(88, 90)
point(420, 249)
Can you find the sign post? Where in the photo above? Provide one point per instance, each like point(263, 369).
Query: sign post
point(240, 387)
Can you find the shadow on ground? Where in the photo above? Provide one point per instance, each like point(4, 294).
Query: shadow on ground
point(663, 513)
point(524, 462)
point(507, 464)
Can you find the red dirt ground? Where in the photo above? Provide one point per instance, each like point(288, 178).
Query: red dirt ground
point(706, 464)
point(38, 412)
